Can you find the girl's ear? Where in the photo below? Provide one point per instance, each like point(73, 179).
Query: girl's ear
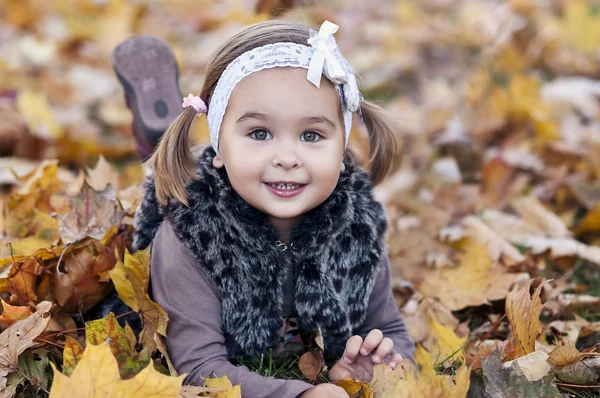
point(218, 161)
point(342, 167)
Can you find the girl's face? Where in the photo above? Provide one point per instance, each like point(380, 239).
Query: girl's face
point(281, 129)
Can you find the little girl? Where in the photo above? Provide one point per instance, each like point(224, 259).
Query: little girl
point(273, 231)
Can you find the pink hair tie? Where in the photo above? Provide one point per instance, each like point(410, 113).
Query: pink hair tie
point(195, 102)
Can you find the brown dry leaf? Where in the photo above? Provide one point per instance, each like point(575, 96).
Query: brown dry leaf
point(93, 214)
point(583, 372)
point(476, 350)
point(19, 336)
point(12, 314)
point(162, 347)
point(310, 365)
point(475, 281)
point(76, 285)
point(564, 355)
point(385, 378)
point(21, 280)
point(523, 312)
point(101, 175)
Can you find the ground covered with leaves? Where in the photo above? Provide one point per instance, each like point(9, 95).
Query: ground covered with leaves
point(494, 207)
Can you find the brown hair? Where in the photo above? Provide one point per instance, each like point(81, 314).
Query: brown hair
point(172, 161)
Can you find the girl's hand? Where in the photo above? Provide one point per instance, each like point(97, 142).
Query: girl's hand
point(360, 357)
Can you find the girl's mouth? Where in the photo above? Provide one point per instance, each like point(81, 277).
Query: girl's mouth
point(285, 190)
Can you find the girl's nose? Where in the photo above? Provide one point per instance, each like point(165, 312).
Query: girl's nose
point(287, 160)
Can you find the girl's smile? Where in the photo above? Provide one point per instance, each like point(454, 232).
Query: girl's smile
point(285, 189)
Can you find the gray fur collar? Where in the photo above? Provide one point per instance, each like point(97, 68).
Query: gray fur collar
point(336, 251)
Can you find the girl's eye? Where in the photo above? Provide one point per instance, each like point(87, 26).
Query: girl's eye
point(260, 135)
point(311, 136)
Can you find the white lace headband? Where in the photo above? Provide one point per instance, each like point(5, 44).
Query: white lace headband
point(320, 57)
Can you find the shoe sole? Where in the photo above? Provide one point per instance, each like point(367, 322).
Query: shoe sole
point(148, 71)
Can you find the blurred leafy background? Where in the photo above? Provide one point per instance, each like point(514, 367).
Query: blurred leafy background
point(498, 183)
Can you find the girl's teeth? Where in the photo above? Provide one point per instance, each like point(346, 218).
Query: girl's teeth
point(284, 186)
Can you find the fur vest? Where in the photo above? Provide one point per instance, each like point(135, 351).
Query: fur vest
point(336, 250)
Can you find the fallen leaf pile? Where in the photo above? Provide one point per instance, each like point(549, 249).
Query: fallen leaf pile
point(494, 206)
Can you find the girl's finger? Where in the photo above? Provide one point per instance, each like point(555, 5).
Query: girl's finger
point(352, 347)
point(371, 341)
point(383, 349)
point(395, 360)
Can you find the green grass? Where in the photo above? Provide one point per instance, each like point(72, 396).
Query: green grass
point(266, 365)
point(588, 274)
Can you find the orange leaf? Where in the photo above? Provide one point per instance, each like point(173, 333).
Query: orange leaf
point(12, 313)
point(523, 312)
point(310, 365)
point(356, 389)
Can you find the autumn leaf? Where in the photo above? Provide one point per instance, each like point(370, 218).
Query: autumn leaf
point(76, 284)
point(108, 330)
point(19, 336)
point(72, 354)
point(34, 364)
point(229, 390)
point(11, 313)
point(442, 386)
point(97, 374)
point(584, 372)
point(475, 281)
point(356, 389)
point(101, 175)
point(38, 114)
point(448, 344)
point(385, 378)
point(523, 312)
point(93, 214)
point(131, 279)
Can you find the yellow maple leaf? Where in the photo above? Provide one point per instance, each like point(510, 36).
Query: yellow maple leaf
point(230, 391)
point(440, 386)
point(97, 374)
point(523, 312)
point(131, 279)
point(475, 281)
point(448, 343)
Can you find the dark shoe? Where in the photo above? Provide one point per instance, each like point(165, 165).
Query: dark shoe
point(147, 69)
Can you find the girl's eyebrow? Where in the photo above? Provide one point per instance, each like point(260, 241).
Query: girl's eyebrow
point(309, 119)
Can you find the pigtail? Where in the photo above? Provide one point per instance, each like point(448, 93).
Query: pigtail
point(172, 162)
point(382, 139)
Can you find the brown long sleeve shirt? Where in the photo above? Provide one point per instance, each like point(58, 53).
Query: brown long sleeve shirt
point(194, 336)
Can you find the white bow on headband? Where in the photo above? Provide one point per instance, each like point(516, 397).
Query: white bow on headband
point(324, 48)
